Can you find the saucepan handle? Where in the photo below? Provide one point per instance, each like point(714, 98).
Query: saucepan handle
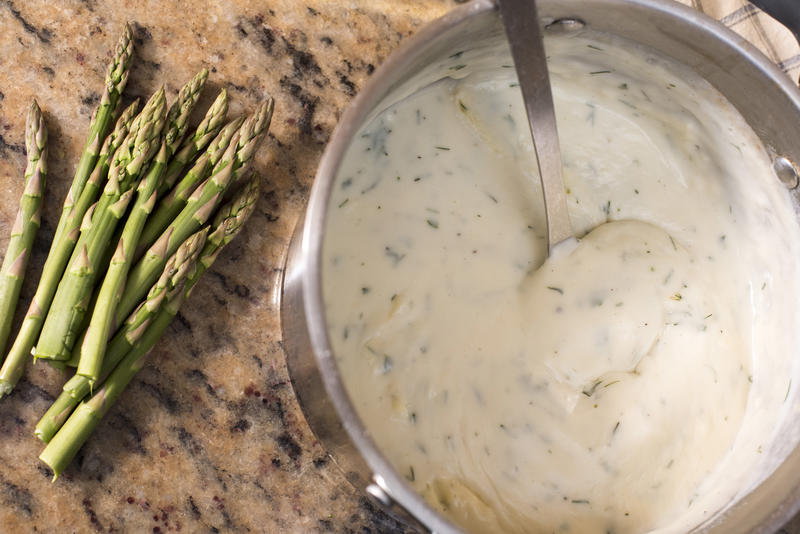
point(787, 12)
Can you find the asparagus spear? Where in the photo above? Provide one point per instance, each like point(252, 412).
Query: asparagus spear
point(178, 114)
point(116, 79)
point(74, 291)
point(77, 428)
point(102, 318)
point(198, 209)
point(102, 322)
point(60, 252)
point(170, 206)
point(228, 222)
point(208, 128)
point(131, 332)
point(226, 225)
point(27, 222)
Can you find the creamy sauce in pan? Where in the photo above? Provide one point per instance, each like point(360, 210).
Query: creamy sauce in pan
point(628, 385)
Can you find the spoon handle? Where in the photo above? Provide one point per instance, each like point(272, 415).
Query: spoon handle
point(524, 34)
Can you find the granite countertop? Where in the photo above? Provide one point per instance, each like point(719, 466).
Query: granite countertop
point(209, 436)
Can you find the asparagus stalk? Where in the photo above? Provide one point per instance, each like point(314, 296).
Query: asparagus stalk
point(170, 206)
point(226, 225)
point(71, 214)
point(198, 209)
point(74, 291)
point(228, 222)
point(102, 319)
point(205, 132)
point(131, 332)
point(60, 252)
point(116, 79)
point(178, 114)
point(79, 425)
point(102, 322)
point(27, 221)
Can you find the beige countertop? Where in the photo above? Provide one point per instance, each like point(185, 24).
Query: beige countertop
point(209, 436)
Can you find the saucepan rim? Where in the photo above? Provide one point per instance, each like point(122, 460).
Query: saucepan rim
point(312, 234)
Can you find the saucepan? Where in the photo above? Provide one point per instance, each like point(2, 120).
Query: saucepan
point(727, 61)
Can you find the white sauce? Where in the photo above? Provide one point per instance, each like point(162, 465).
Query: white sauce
point(629, 385)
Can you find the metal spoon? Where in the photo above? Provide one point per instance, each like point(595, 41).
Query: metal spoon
point(521, 21)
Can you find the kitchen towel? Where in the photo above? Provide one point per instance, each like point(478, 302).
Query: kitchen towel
point(767, 34)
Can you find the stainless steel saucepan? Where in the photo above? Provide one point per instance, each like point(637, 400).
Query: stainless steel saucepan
point(766, 98)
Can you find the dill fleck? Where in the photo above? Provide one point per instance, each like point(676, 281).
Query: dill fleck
point(457, 67)
point(708, 316)
point(594, 47)
point(591, 390)
point(594, 73)
point(410, 476)
point(788, 389)
point(615, 428)
point(513, 84)
point(441, 148)
point(677, 297)
point(580, 501)
point(364, 290)
point(461, 105)
point(623, 86)
point(556, 289)
point(432, 223)
point(674, 246)
point(456, 55)
point(343, 202)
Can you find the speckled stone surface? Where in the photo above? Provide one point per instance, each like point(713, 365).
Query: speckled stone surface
point(208, 437)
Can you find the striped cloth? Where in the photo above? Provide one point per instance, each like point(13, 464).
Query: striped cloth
point(774, 40)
